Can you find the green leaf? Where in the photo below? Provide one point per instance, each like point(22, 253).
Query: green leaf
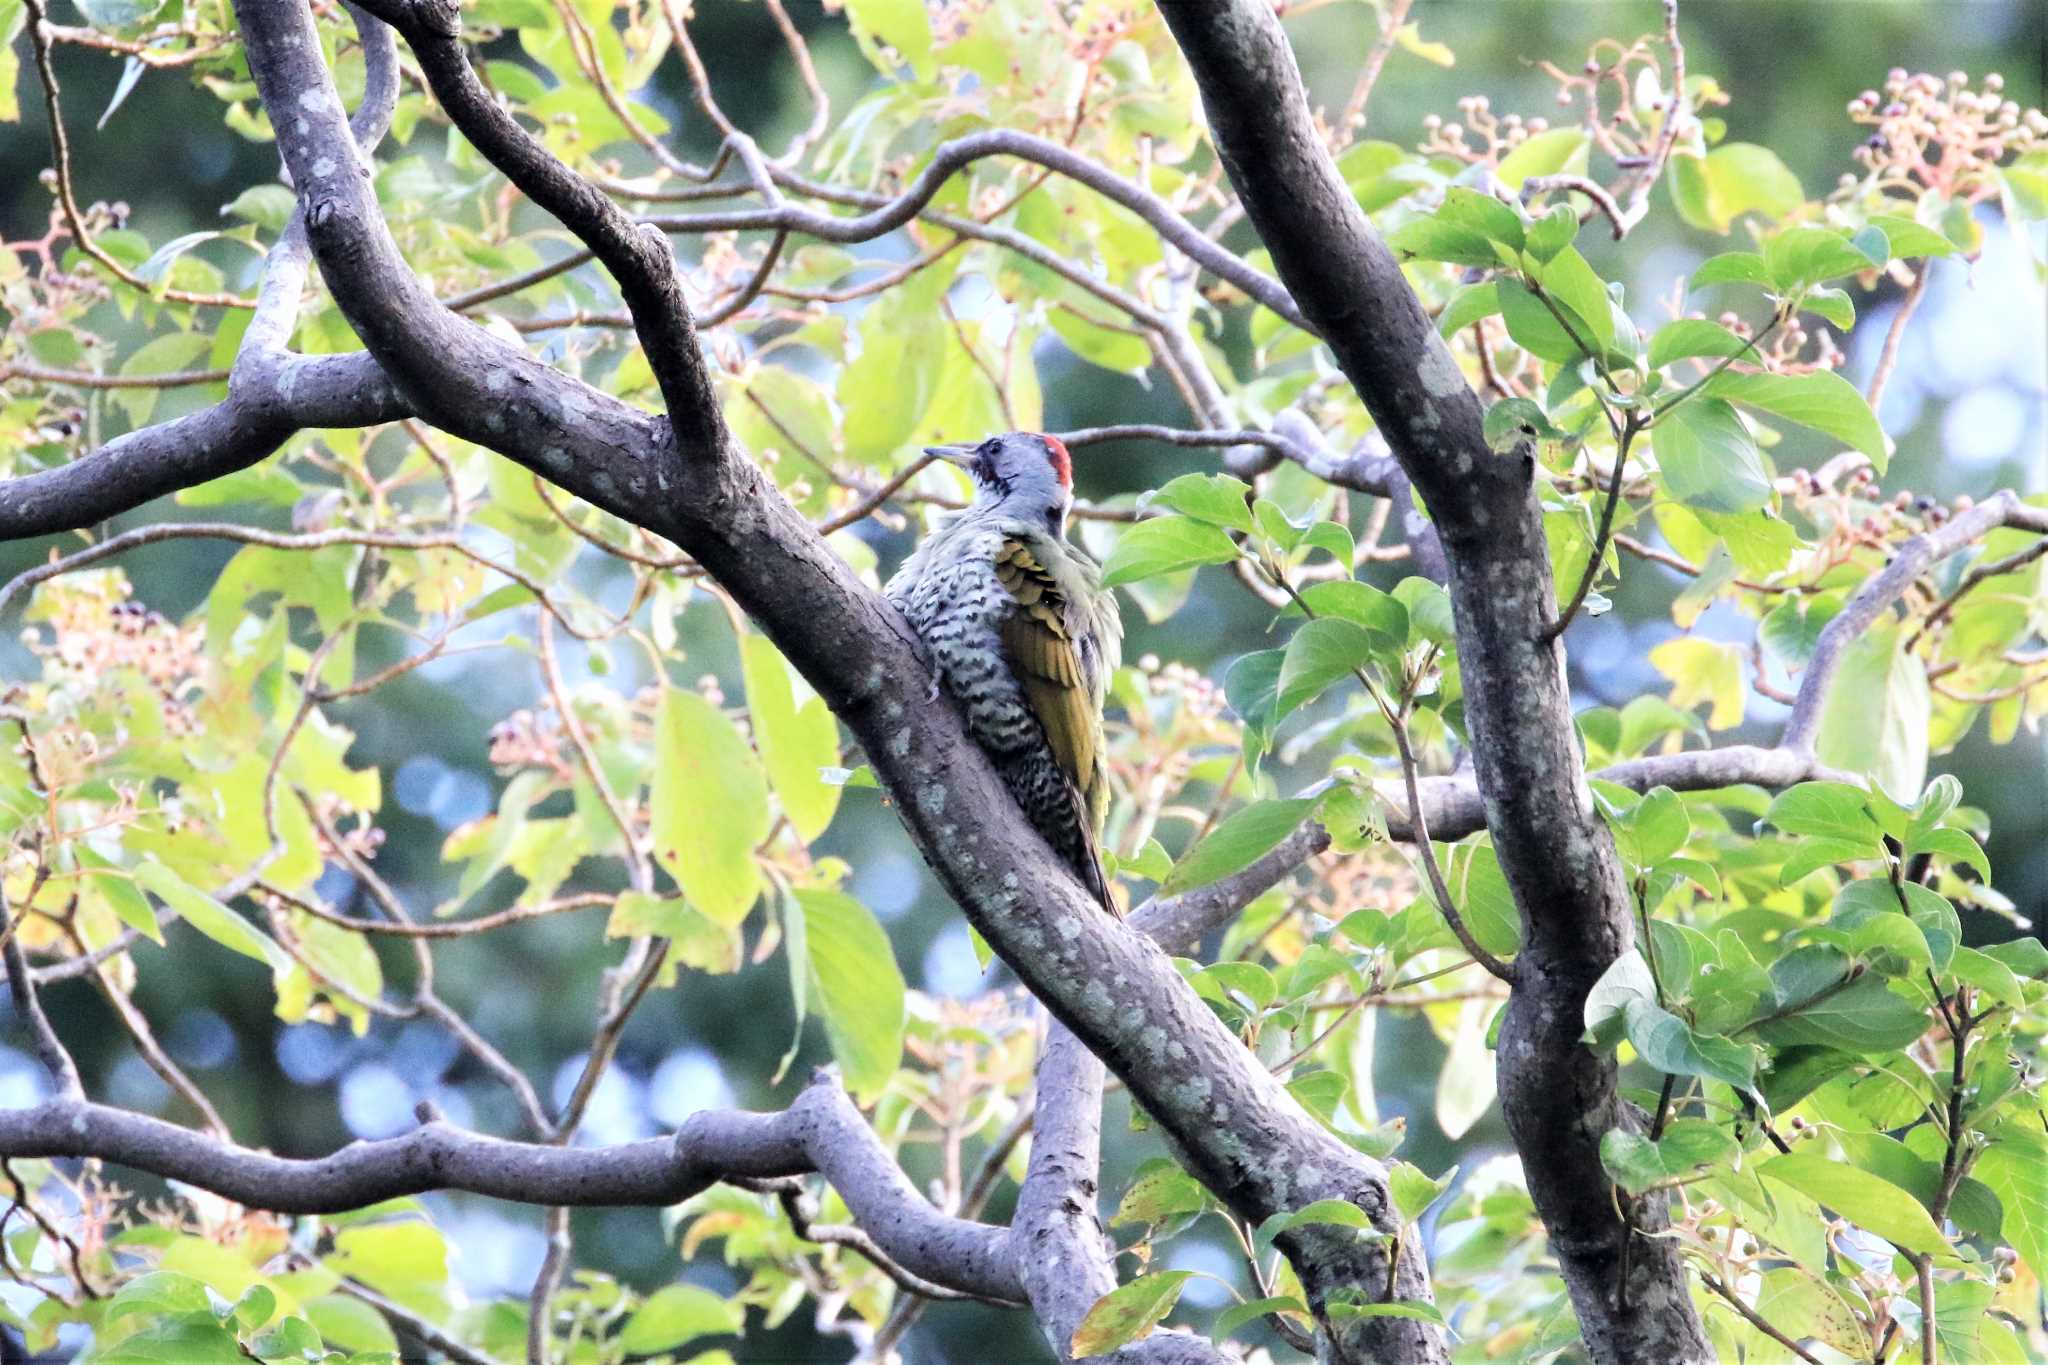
point(350, 1324)
point(1162, 1191)
point(1570, 281)
point(1689, 337)
point(676, 1314)
point(797, 742)
point(1471, 303)
point(1708, 459)
point(1335, 1213)
point(1535, 328)
point(709, 806)
point(1415, 1310)
point(1216, 499)
point(902, 24)
point(1909, 239)
point(1322, 652)
point(1871, 1203)
point(1435, 239)
point(1832, 810)
point(117, 887)
point(1876, 716)
point(159, 1293)
point(1482, 892)
point(1802, 1304)
point(1861, 1017)
point(1101, 346)
point(1412, 1191)
point(1429, 612)
point(856, 986)
point(1165, 545)
point(1483, 214)
point(1732, 267)
point(1820, 399)
point(1833, 305)
point(1733, 179)
point(2015, 1167)
point(1993, 978)
point(166, 354)
point(1513, 420)
point(1653, 828)
point(1239, 1314)
point(1625, 984)
point(1128, 1312)
point(1241, 838)
point(1553, 232)
point(1556, 151)
point(1688, 1146)
point(901, 355)
point(695, 939)
point(267, 206)
point(210, 917)
point(1668, 1043)
point(2028, 957)
point(1251, 688)
point(1802, 256)
point(188, 1339)
point(1380, 615)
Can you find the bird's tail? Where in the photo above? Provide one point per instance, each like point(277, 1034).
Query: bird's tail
point(1087, 862)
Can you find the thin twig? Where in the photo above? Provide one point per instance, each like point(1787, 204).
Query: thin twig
point(67, 200)
point(1759, 1321)
point(1888, 357)
point(1631, 425)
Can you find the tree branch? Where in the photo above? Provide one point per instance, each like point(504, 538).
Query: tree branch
point(1116, 989)
point(1558, 1096)
point(821, 1132)
point(1876, 596)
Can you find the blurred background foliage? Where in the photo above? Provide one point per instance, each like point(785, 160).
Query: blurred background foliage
point(1968, 407)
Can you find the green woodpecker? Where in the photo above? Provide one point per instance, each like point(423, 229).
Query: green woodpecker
point(1021, 633)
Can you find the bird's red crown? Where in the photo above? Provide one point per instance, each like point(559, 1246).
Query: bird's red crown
point(1062, 462)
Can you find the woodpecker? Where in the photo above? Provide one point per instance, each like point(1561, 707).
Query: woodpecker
point(1021, 633)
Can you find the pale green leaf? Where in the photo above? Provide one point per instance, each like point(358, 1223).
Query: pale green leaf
point(709, 806)
point(856, 987)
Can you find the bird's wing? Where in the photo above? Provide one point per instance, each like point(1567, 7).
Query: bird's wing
point(1048, 660)
point(1058, 688)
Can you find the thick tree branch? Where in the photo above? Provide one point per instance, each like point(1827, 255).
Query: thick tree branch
point(1115, 988)
point(1062, 1254)
point(821, 1132)
point(1558, 1097)
point(254, 420)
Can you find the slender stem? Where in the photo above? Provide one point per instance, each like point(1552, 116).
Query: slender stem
point(1749, 347)
point(1418, 823)
point(1631, 425)
point(1758, 1320)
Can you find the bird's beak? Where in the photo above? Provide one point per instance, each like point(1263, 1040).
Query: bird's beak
point(961, 456)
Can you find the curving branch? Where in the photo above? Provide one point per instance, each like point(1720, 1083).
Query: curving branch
point(1875, 597)
point(820, 1133)
point(682, 478)
point(948, 158)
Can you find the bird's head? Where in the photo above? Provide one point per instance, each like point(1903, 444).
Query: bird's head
point(1029, 475)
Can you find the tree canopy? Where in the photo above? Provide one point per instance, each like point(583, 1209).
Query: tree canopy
point(554, 416)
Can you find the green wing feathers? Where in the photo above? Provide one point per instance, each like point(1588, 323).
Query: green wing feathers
point(1047, 659)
